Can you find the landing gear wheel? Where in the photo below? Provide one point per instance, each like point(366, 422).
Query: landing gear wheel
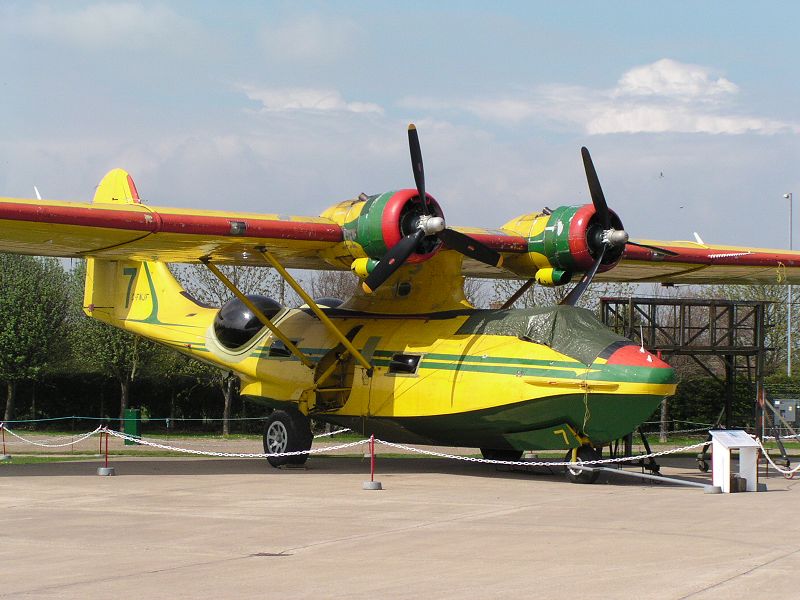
point(506, 455)
point(287, 431)
point(702, 465)
point(585, 453)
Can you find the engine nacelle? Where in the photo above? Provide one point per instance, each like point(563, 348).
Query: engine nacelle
point(563, 241)
point(373, 224)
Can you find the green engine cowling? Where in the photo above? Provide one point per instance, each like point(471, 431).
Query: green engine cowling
point(373, 224)
point(562, 242)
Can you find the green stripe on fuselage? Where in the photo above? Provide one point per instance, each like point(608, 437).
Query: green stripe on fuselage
point(521, 367)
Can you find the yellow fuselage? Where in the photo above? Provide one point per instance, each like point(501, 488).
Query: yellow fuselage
point(473, 380)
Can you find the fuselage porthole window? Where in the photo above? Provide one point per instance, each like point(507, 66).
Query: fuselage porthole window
point(404, 364)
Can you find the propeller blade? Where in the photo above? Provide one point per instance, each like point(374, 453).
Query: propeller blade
point(394, 259)
point(416, 165)
point(470, 247)
point(653, 248)
point(576, 292)
point(596, 191)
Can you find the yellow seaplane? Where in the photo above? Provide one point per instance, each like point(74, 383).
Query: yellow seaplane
point(407, 358)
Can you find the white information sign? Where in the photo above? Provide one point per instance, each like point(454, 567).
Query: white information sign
point(733, 438)
point(722, 442)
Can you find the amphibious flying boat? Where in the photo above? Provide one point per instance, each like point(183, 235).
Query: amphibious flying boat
point(407, 358)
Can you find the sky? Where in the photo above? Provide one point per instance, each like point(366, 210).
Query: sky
point(691, 110)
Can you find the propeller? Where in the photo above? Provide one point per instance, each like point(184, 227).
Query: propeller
point(426, 225)
point(603, 237)
point(416, 165)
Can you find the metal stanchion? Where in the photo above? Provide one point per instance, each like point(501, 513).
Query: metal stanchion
point(5, 456)
point(371, 484)
point(106, 470)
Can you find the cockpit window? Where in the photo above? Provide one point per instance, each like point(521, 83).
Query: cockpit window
point(570, 330)
point(235, 324)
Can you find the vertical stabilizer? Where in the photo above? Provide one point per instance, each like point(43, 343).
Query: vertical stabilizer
point(140, 296)
point(116, 187)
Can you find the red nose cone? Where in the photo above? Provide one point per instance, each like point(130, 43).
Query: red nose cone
point(636, 356)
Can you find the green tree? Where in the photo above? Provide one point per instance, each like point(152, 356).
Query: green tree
point(33, 307)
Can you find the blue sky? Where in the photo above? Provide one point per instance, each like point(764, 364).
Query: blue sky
point(291, 106)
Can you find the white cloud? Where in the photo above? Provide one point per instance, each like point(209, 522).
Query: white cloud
point(101, 25)
point(311, 38)
point(662, 97)
point(681, 119)
point(672, 79)
point(306, 99)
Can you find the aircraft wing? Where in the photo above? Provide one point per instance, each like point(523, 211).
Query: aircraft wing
point(121, 226)
point(692, 263)
point(696, 263)
point(140, 232)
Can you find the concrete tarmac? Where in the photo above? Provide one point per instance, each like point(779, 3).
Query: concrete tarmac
point(230, 528)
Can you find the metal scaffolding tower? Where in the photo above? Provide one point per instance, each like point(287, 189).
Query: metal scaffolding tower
point(731, 332)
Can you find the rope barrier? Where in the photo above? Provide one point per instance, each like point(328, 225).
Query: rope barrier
point(50, 440)
point(785, 472)
point(144, 442)
point(142, 419)
point(527, 463)
point(404, 447)
point(200, 440)
point(70, 443)
point(43, 442)
point(330, 433)
point(705, 425)
point(669, 433)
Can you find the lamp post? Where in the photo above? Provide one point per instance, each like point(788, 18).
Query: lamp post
point(788, 196)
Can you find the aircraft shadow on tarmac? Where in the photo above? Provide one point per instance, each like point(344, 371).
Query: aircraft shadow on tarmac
point(317, 465)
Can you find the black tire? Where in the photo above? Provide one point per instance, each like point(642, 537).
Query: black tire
point(287, 431)
point(585, 453)
point(506, 455)
point(702, 466)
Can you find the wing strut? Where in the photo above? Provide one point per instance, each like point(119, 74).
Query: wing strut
point(315, 308)
point(290, 345)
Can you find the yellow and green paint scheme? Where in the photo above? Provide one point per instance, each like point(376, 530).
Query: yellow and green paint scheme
point(476, 381)
point(470, 388)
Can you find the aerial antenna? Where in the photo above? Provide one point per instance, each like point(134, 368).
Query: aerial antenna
point(38, 195)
